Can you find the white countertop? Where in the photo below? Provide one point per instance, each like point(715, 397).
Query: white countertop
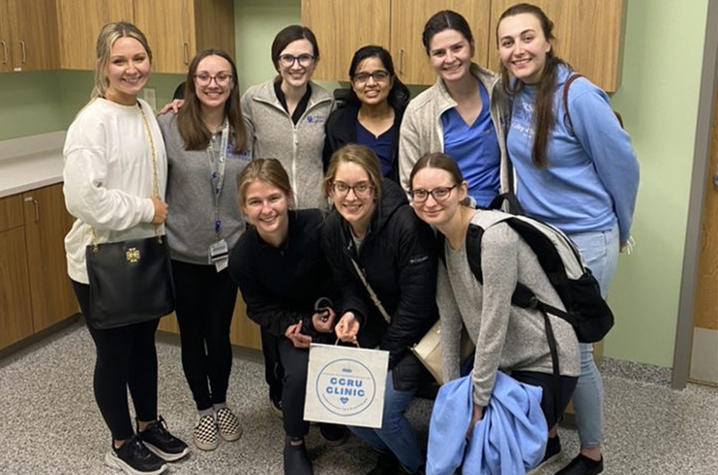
point(27, 163)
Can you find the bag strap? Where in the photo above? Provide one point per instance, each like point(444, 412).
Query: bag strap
point(372, 294)
point(566, 86)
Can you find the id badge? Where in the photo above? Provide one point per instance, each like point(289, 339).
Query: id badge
point(219, 255)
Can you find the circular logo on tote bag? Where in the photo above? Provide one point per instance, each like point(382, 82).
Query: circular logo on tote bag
point(345, 387)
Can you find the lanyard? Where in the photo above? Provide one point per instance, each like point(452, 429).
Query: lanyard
point(216, 177)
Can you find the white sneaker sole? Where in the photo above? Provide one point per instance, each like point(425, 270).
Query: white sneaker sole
point(232, 436)
point(549, 460)
point(206, 446)
point(166, 456)
point(115, 462)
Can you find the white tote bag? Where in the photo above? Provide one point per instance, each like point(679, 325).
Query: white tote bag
point(345, 385)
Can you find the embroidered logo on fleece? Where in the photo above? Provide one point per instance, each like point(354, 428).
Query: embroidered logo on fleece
point(316, 119)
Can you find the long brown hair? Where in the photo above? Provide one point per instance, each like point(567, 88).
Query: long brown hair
point(543, 110)
point(195, 134)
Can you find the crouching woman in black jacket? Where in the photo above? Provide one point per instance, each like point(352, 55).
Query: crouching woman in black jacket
point(282, 274)
point(373, 230)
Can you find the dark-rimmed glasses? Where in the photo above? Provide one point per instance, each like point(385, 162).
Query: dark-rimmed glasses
point(287, 60)
point(378, 76)
point(221, 78)
point(440, 194)
point(363, 189)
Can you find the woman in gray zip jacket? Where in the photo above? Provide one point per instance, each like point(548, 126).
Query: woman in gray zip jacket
point(286, 115)
point(285, 119)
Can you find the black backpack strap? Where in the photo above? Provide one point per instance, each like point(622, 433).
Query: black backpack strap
point(514, 207)
point(567, 85)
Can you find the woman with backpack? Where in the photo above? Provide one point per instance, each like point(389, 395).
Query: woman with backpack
point(534, 347)
point(575, 169)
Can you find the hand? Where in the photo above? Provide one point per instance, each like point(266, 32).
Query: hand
point(296, 337)
point(622, 247)
point(347, 328)
point(160, 210)
point(324, 320)
point(476, 416)
point(173, 106)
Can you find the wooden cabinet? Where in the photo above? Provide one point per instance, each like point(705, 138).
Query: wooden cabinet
point(342, 27)
point(30, 42)
point(79, 23)
point(46, 224)
point(588, 33)
point(15, 318)
point(35, 291)
point(178, 29)
point(243, 332)
point(588, 36)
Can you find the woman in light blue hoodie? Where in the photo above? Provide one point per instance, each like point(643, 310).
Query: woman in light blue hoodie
point(575, 169)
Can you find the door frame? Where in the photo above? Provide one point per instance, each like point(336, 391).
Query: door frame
point(701, 159)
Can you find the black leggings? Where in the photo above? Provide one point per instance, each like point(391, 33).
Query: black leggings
point(126, 357)
point(204, 307)
point(556, 394)
point(295, 362)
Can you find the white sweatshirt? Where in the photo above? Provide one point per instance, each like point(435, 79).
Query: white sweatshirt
point(108, 177)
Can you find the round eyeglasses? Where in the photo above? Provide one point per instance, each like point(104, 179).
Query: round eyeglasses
point(363, 189)
point(378, 76)
point(203, 79)
point(440, 193)
point(287, 60)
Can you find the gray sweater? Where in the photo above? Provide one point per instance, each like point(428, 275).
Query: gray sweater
point(506, 337)
point(298, 147)
point(190, 221)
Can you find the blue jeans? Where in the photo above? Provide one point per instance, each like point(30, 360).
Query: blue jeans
point(396, 434)
point(600, 251)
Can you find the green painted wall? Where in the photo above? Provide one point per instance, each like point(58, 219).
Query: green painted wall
point(658, 97)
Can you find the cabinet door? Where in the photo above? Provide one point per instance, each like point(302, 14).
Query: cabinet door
point(408, 18)
point(169, 27)
point(343, 26)
point(46, 223)
point(5, 44)
point(588, 36)
point(79, 24)
point(33, 32)
point(15, 315)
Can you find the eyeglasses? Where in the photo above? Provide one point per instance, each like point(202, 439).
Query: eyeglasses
point(440, 193)
point(203, 79)
point(378, 76)
point(363, 189)
point(287, 60)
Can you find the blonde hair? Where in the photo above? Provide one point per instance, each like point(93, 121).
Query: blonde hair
point(110, 33)
point(362, 156)
point(268, 170)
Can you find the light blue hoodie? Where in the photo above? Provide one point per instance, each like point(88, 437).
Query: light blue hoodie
point(592, 176)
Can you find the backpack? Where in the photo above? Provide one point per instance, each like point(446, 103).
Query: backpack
point(567, 85)
point(586, 310)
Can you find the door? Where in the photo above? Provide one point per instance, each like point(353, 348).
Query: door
point(704, 353)
point(169, 26)
point(5, 61)
point(408, 18)
point(33, 31)
point(46, 223)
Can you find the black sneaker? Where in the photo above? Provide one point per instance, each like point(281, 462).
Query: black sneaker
point(296, 460)
point(387, 464)
point(275, 403)
point(334, 434)
point(159, 440)
point(582, 465)
point(134, 458)
point(553, 450)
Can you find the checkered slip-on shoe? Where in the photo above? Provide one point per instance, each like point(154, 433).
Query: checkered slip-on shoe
point(228, 425)
point(205, 433)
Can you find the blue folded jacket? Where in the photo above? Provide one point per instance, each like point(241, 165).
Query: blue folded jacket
point(508, 440)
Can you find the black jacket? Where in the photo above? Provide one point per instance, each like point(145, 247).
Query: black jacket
point(341, 129)
point(281, 285)
point(398, 257)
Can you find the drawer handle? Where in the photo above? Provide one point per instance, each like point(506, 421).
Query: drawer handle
point(186, 52)
point(5, 53)
point(35, 205)
point(401, 61)
point(24, 51)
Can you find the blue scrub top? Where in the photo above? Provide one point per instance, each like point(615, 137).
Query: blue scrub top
point(475, 149)
point(381, 145)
